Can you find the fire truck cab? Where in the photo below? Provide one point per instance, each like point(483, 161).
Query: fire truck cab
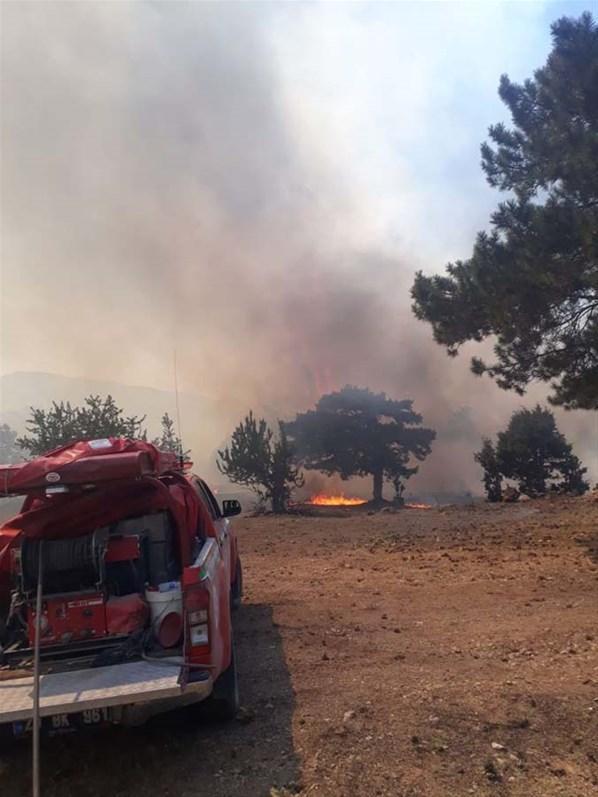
point(138, 571)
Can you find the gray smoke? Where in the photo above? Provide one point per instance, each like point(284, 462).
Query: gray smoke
point(162, 190)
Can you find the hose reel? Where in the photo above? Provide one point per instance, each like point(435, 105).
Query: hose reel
point(69, 564)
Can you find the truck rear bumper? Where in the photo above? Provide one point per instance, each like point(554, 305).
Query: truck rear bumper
point(116, 685)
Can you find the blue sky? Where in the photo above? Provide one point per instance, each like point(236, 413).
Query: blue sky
point(412, 88)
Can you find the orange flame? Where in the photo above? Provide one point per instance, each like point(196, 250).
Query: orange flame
point(419, 506)
point(321, 499)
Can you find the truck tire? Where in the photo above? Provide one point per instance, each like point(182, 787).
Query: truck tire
point(236, 590)
point(223, 703)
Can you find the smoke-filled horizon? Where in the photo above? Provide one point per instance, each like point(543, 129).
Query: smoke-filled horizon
point(255, 185)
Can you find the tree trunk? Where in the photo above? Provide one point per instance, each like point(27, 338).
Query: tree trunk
point(399, 493)
point(279, 505)
point(378, 482)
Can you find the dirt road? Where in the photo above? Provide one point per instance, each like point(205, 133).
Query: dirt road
point(414, 654)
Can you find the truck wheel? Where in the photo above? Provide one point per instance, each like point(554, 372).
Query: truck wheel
point(223, 703)
point(236, 590)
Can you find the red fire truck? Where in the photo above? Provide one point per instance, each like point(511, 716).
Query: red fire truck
point(127, 567)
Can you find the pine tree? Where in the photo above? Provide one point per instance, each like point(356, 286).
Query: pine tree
point(355, 432)
point(492, 478)
point(169, 440)
point(532, 282)
point(532, 452)
point(63, 423)
point(257, 459)
point(10, 452)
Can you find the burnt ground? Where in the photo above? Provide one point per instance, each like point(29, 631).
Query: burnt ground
point(414, 653)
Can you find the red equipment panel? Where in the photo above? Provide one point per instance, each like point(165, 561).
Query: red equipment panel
point(70, 618)
point(121, 549)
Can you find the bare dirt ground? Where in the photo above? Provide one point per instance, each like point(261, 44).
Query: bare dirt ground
point(418, 654)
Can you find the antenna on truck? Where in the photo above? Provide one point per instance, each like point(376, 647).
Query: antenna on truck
point(37, 675)
point(178, 413)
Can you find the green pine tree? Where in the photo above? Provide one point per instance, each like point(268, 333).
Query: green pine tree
point(258, 459)
point(10, 451)
point(355, 432)
point(532, 282)
point(532, 452)
point(492, 478)
point(63, 423)
point(169, 440)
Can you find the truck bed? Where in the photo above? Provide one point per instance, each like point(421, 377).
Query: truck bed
point(81, 690)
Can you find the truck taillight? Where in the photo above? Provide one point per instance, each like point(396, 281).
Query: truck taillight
point(198, 616)
point(197, 605)
point(199, 635)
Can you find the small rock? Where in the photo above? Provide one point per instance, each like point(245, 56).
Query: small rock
point(245, 715)
point(497, 746)
point(492, 772)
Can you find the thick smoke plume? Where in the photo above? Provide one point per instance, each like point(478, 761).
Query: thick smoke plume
point(164, 187)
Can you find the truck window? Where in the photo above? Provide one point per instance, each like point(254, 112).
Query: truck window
point(207, 498)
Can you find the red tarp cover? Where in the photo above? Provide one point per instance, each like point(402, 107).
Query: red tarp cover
point(86, 461)
point(79, 512)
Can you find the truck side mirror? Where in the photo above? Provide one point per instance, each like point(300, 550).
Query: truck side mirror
point(231, 507)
